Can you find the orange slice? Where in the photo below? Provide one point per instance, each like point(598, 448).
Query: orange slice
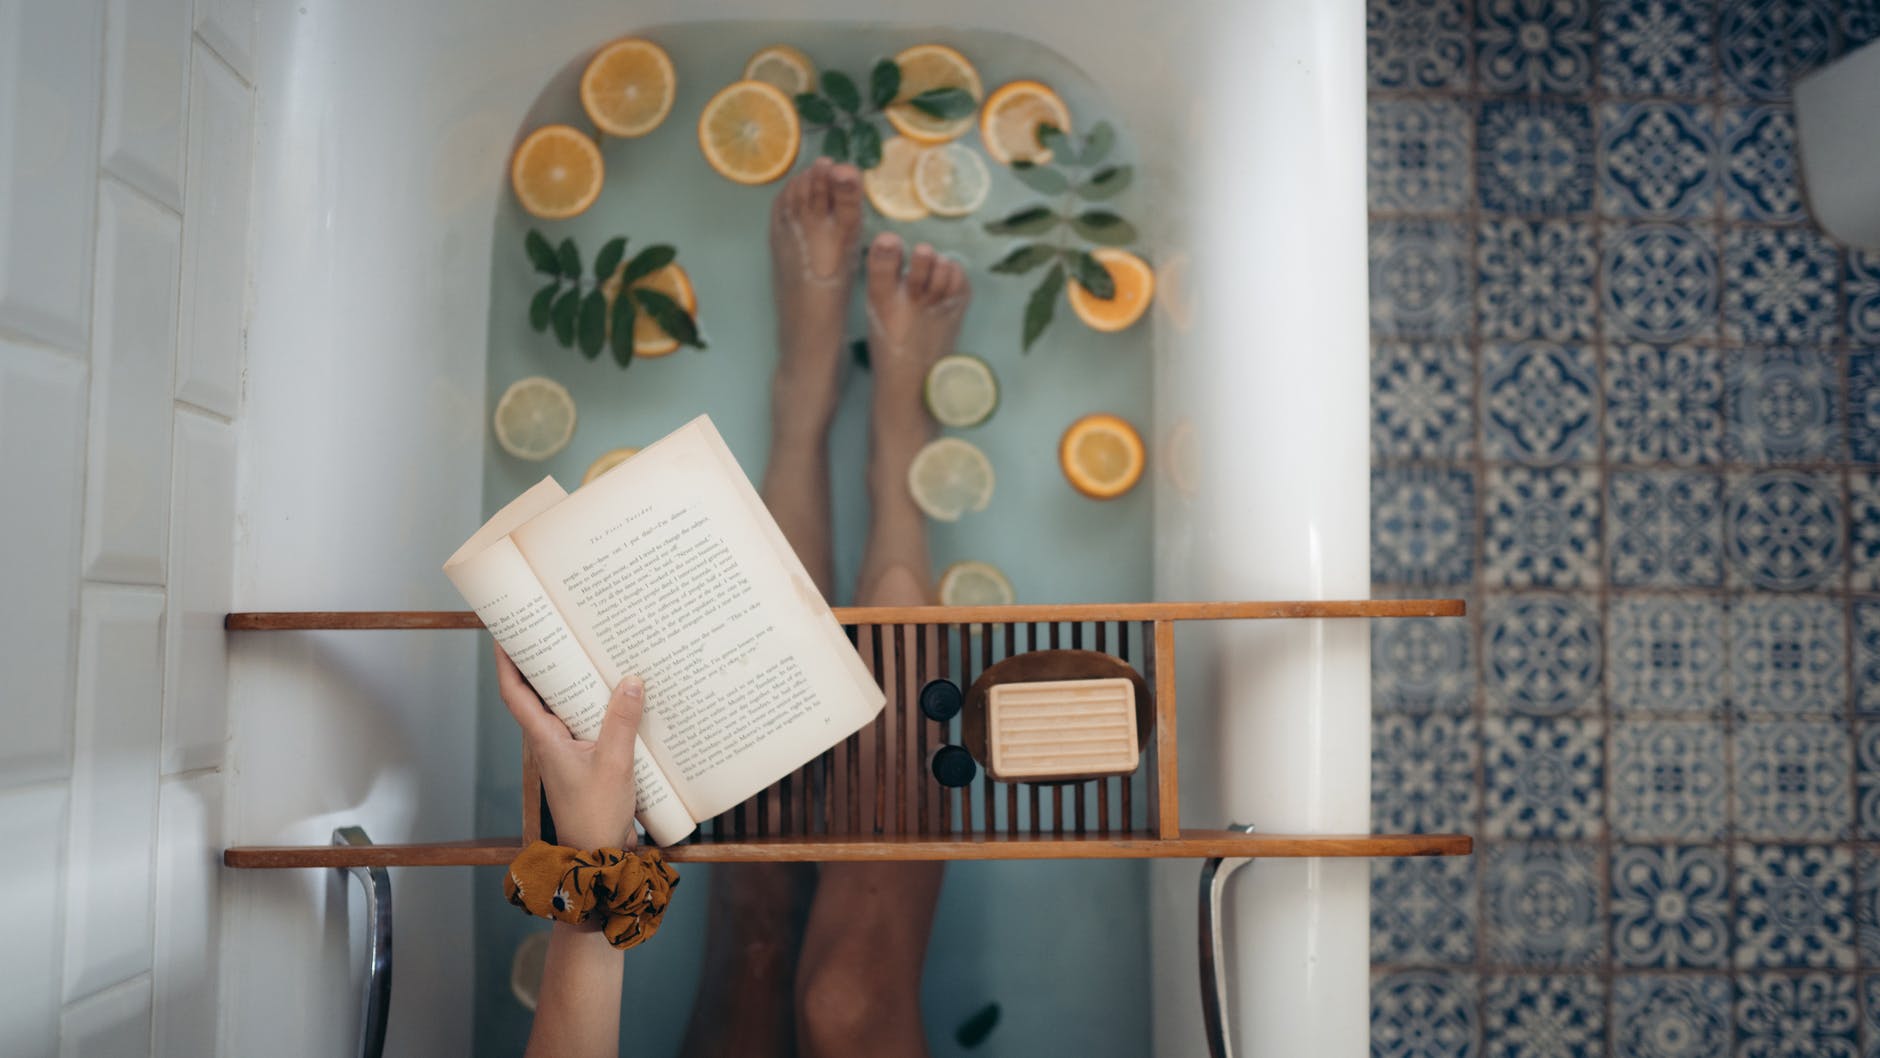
point(1101, 456)
point(556, 172)
point(890, 185)
point(628, 87)
point(1135, 288)
point(782, 67)
point(749, 132)
point(925, 67)
point(648, 339)
point(606, 461)
point(1009, 121)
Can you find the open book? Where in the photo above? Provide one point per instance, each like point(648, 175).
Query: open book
point(669, 567)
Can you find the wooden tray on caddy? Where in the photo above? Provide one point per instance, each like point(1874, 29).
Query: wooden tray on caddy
point(873, 798)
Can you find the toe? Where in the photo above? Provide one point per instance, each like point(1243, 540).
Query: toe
point(920, 271)
point(884, 265)
point(818, 202)
point(790, 199)
point(845, 187)
point(949, 280)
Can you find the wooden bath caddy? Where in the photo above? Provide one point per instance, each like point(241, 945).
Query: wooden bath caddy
point(871, 797)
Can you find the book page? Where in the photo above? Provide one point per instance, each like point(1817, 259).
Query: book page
point(669, 566)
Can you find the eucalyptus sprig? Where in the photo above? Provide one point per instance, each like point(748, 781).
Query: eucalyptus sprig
point(847, 124)
point(1077, 177)
point(577, 308)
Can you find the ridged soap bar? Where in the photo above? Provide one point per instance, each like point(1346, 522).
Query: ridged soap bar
point(1059, 730)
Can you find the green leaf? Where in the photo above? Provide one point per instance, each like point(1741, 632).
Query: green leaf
point(1024, 259)
point(1106, 182)
point(570, 260)
point(884, 82)
point(945, 103)
point(1053, 139)
point(974, 1030)
point(1097, 145)
point(563, 313)
point(673, 319)
point(841, 90)
point(1032, 220)
point(648, 261)
point(1042, 304)
point(622, 333)
point(1102, 226)
point(867, 141)
point(540, 304)
point(591, 327)
point(1041, 178)
point(815, 109)
point(541, 252)
point(609, 258)
point(1092, 276)
point(858, 349)
point(836, 143)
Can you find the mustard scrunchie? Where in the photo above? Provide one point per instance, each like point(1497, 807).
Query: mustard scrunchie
point(629, 889)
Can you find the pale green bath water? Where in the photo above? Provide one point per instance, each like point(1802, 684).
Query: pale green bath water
point(1061, 947)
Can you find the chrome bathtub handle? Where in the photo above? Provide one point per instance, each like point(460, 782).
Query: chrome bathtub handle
point(1214, 875)
point(377, 1005)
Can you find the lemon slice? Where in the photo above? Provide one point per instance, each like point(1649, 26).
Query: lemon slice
point(749, 132)
point(535, 418)
point(628, 88)
point(925, 67)
point(951, 180)
point(526, 968)
point(961, 390)
point(606, 462)
point(974, 583)
point(782, 67)
point(1101, 456)
point(556, 172)
point(1009, 122)
point(950, 477)
point(890, 185)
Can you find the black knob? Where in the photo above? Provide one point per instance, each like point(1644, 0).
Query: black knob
point(953, 766)
point(940, 700)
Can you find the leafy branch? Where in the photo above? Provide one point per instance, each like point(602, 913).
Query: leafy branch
point(598, 313)
point(846, 121)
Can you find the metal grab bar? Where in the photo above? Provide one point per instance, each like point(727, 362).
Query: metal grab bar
point(377, 1004)
point(1214, 875)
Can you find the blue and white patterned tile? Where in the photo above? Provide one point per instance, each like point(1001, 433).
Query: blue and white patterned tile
point(1419, 279)
point(1794, 906)
point(1863, 405)
point(1656, 47)
point(1665, 528)
point(1424, 1014)
point(1863, 296)
point(1422, 525)
point(1668, 781)
point(1759, 167)
point(1782, 530)
point(1781, 286)
point(1786, 655)
point(1423, 400)
point(1663, 1016)
point(1541, 527)
point(1543, 905)
point(1544, 1016)
point(1808, 1015)
point(1419, 155)
point(1534, 45)
point(1660, 282)
point(1533, 156)
point(1423, 774)
point(1422, 666)
point(1793, 780)
point(1541, 654)
point(1670, 906)
point(1423, 911)
point(1860, 23)
point(1867, 781)
point(1863, 519)
point(1763, 45)
point(1664, 405)
point(1420, 44)
point(1535, 279)
point(1870, 1016)
point(1867, 657)
point(1540, 403)
point(1655, 159)
point(1782, 405)
point(1664, 654)
point(1543, 777)
point(1867, 906)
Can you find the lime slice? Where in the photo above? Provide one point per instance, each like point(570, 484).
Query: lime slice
point(606, 462)
point(949, 477)
point(961, 390)
point(535, 418)
point(951, 180)
point(973, 583)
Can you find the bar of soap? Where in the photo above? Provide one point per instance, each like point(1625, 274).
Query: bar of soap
point(1054, 730)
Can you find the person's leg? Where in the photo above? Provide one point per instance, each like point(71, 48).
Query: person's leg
point(858, 984)
point(745, 1002)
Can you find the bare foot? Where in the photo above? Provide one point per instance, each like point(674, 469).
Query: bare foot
point(815, 225)
point(914, 318)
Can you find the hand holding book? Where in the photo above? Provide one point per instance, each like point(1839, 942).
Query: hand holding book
point(589, 784)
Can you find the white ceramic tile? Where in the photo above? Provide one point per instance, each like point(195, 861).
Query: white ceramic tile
point(215, 236)
point(202, 542)
point(32, 823)
point(49, 65)
point(118, 732)
point(146, 85)
point(42, 480)
point(189, 871)
point(127, 488)
point(114, 1023)
point(228, 26)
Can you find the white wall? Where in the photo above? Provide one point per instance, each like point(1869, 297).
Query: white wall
point(125, 130)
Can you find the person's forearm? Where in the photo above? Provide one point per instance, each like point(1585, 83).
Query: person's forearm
point(577, 1012)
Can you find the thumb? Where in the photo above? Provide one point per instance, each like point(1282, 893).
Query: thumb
point(622, 722)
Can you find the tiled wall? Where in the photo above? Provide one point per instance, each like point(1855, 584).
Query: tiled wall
point(125, 133)
point(1626, 401)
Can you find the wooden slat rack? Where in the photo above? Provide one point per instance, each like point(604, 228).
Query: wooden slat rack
point(871, 797)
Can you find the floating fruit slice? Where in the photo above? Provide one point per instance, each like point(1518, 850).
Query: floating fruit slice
point(961, 390)
point(950, 477)
point(1135, 288)
point(606, 462)
point(1008, 123)
point(925, 67)
point(628, 87)
point(951, 180)
point(526, 968)
point(648, 338)
point(535, 418)
point(1101, 456)
point(974, 583)
point(749, 132)
point(782, 67)
point(556, 172)
point(890, 185)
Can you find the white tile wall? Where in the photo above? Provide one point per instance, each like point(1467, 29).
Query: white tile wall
point(202, 539)
point(146, 86)
point(189, 873)
point(228, 26)
point(215, 232)
point(32, 823)
point(115, 1023)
